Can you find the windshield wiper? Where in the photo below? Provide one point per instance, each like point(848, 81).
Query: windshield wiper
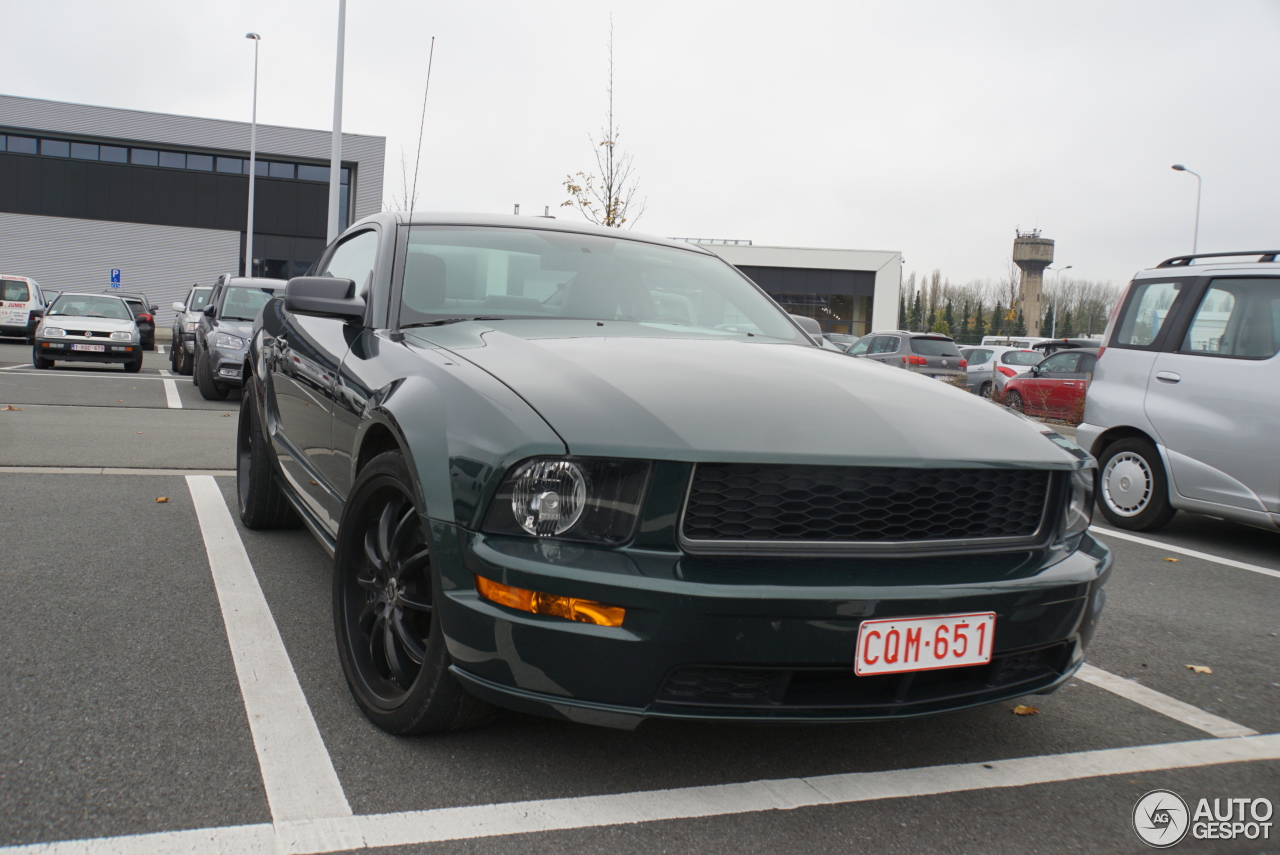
point(444, 321)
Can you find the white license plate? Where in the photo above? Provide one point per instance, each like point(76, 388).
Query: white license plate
point(94, 348)
point(924, 644)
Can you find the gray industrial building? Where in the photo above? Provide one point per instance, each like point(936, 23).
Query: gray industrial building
point(163, 198)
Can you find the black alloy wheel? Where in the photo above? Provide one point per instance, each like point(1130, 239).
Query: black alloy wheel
point(262, 502)
point(1014, 401)
point(384, 595)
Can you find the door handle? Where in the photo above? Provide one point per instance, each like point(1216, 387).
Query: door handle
point(1168, 376)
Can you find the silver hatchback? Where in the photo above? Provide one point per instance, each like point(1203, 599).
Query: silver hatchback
point(1184, 409)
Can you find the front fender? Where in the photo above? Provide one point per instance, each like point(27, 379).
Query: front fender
point(459, 428)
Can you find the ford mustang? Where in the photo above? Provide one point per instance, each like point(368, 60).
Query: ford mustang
point(573, 471)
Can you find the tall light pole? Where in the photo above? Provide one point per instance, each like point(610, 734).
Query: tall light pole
point(1195, 241)
point(335, 154)
point(1057, 281)
point(253, 155)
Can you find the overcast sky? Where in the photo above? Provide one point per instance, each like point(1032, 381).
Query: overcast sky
point(934, 128)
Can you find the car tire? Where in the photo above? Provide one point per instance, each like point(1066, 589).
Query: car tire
point(210, 389)
point(173, 357)
point(1133, 488)
point(260, 498)
point(1013, 401)
point(178, 356)
point(40, 362)
point(150, 345)
point(133, 367)
point(384, 586)
point(986, 390)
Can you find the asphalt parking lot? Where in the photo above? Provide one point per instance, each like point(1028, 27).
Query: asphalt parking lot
point(171, 684)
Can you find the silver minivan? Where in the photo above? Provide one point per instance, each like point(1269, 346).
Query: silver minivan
point(1184, 409)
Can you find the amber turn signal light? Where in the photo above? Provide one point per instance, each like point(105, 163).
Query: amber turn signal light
point(569, 608)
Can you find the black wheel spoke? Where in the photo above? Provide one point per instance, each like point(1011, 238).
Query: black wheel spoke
point(404, 527)
point(371, 552)
point(386, 524)
point(415, 602)
point(414, 563)
point(413, 648)
point(395, 654)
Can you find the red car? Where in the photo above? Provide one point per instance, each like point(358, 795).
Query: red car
point(1055, 386)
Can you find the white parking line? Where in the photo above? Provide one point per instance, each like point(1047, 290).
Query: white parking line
point(1203, 556)
point(297, 773)
point(483, 821)
point(171, 395)
point(11, 367)
point(1162, 703)
point(108, 470)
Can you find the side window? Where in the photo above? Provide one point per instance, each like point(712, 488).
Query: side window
point(1063, 363)
point(1145, 312)
point(1087, 361)
point(354, 259)
point(884, 344)
point(861, 346)
point(980, 357)
point(1237, 318)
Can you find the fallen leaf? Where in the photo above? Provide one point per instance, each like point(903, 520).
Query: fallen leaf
point(226, 415)
point(12, 407)
point(162, 500)
point(1200, 669)
point(1022, 709)
point(138, 431)
point(119, 400)
point(1174, 560)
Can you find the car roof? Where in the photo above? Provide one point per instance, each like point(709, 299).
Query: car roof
point(255, 282)
point(1092, 350)
point(119, 297)
point(453, 218)
point(1266, 262)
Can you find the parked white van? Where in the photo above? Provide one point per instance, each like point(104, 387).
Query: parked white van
point(1184, 409)
point(20, 296)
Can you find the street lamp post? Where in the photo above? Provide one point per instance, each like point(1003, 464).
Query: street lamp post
point(1195, 241)
point(1057, 286)
point(253, 156)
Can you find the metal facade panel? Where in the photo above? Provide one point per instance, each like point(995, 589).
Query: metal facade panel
point(368, 152)
point(64, 254)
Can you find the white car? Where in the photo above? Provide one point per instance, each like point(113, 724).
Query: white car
point(88, 328)
point(991, 365)
point(21, 302)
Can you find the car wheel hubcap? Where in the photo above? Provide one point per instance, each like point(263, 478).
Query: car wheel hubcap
point(387, 598)
point(1126, 484)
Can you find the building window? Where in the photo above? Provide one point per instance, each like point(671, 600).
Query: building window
point(22, 145)
point(173, 159)
point(84, 151)
point(233, 165)
point(202, 162)
point(146, 157)
point(113, 154)
point(55, 148)
point(313, 173)
point(260, 168)
point(281, 170)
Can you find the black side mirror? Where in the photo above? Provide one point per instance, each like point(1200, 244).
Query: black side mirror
point(210, 310)
point(323, 297)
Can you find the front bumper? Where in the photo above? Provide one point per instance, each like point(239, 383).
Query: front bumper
point(227, 366)
point(721, 639)
point(60, 349)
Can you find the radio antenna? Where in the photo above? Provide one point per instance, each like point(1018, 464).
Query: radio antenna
point(413, 198)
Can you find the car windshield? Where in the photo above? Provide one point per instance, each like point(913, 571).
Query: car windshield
point(89, 306)
point(15, 291)
point(243, 304)
point(497, 273)
point(934, 347)
point(199, 298)
point(1021, 357)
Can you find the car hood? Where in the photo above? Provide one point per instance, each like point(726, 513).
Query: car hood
point(80, 322)
point(244, 329)
point(744, 400)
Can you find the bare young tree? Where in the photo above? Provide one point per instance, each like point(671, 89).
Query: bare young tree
point(608, 196)
point(408, 193)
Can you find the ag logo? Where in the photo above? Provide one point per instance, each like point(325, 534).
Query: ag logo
point(1161, 818)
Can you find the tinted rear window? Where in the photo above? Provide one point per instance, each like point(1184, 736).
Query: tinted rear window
point(15, 291)
point(1021, 357)
point(934, 347)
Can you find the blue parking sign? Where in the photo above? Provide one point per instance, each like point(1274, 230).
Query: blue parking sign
point(115, 278)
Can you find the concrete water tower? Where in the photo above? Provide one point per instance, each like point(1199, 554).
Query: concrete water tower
point(1032, 254)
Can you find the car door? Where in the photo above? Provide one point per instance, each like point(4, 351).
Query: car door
point(1212, 399)
point(1042, 389)
point(307, 353)
point(883, 349)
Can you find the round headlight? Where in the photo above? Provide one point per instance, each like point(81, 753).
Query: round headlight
point(548, 496)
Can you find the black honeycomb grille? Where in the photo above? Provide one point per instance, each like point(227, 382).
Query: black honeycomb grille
point(861, 504)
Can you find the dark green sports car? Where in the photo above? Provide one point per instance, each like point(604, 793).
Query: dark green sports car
point(576, 472)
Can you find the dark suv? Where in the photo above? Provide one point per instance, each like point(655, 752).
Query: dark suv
point(224, 331)
point(931, 354)
point(144, 315)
